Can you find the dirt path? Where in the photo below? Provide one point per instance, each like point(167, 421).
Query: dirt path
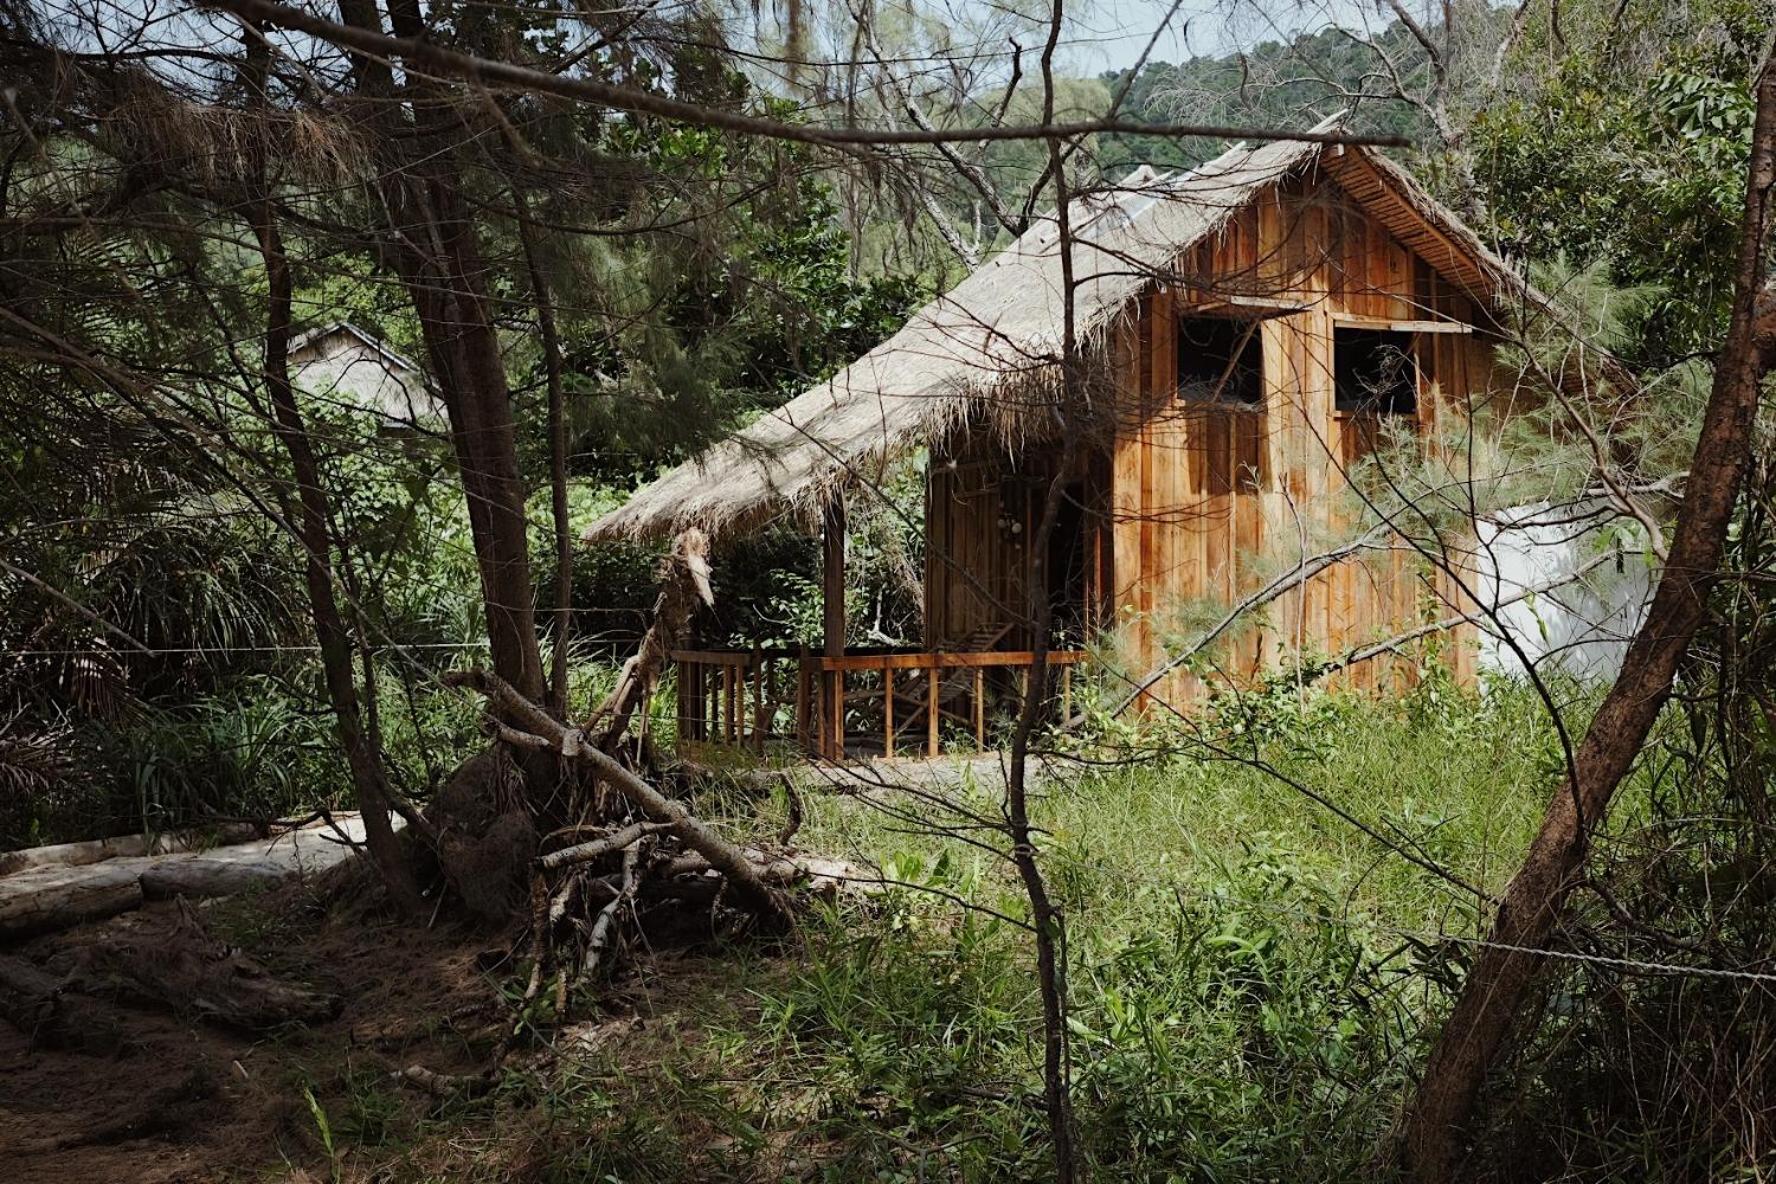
point(189, 1101)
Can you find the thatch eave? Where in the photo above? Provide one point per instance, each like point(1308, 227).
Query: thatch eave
point(988, 352)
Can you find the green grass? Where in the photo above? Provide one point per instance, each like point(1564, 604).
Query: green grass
point(1251, 974)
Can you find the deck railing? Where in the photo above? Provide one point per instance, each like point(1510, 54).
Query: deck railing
point(877, 703)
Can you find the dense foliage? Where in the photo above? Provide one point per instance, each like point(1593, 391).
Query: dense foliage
point(1630, 151)
point(159, 647)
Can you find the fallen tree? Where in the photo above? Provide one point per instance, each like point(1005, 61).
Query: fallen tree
point(635, 853)
point(542, 731)
point(649, 852)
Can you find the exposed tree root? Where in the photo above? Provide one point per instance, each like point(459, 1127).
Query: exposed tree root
point(634, 854)
point(584, 897)
point(535, 728)
point(447, 1085)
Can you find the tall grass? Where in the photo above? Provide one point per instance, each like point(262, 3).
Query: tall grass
point(1251, 974)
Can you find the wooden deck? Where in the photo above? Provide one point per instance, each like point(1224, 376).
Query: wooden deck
point(862, 703)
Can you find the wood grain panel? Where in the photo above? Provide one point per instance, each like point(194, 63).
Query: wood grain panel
point(1204, 501)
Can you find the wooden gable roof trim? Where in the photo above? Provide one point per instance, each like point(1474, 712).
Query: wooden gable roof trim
point(1430, 230)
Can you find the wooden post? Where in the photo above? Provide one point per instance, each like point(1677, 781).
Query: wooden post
point(759, 682)
point(724, 702)
point(833, 618)
point(698, 706)
point(738, 706)
point(802, 722)
point(980, 708)
point(931, 712)
point(1066, 692)
point(887, 711)
point(687, 682)
point(836, 735)
point(683, 716)
point(722, 673)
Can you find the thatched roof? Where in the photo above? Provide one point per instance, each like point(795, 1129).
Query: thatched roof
point(995, 339)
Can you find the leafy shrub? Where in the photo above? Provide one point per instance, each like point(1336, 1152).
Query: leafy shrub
point(1245, 1032)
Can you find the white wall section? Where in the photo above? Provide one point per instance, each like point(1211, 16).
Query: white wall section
point(1580, 628)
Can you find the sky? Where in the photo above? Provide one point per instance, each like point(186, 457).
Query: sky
point(1111, 34)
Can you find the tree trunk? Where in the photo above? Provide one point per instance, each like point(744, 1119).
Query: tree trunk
point(1535, 900)
point(1046, 917)
point(456, 321)
point(553, 369)
point(431, 238)
point(369, 779)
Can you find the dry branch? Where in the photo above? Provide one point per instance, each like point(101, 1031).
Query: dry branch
point(56, 898)
point(1392, 645)
point(429, 58)
point(598, 848)
point(572, 744)
point(684, 580)
point(604, 928)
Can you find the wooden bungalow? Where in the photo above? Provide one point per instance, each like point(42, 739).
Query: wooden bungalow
point(1247, 331)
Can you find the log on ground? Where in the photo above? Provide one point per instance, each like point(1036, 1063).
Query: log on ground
point(36, 1003)
point(184, 969)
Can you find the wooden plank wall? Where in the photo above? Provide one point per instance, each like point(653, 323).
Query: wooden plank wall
point(975, 563)
point(1210, 501)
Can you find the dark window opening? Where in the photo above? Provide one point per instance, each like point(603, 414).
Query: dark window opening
point(1220, 360)
point(1068, 556)
point(1373, 370)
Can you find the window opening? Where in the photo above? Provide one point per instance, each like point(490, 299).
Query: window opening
point(1220, 360)
point(1374, 370)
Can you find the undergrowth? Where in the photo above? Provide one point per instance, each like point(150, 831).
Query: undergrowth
point(1251, 974)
